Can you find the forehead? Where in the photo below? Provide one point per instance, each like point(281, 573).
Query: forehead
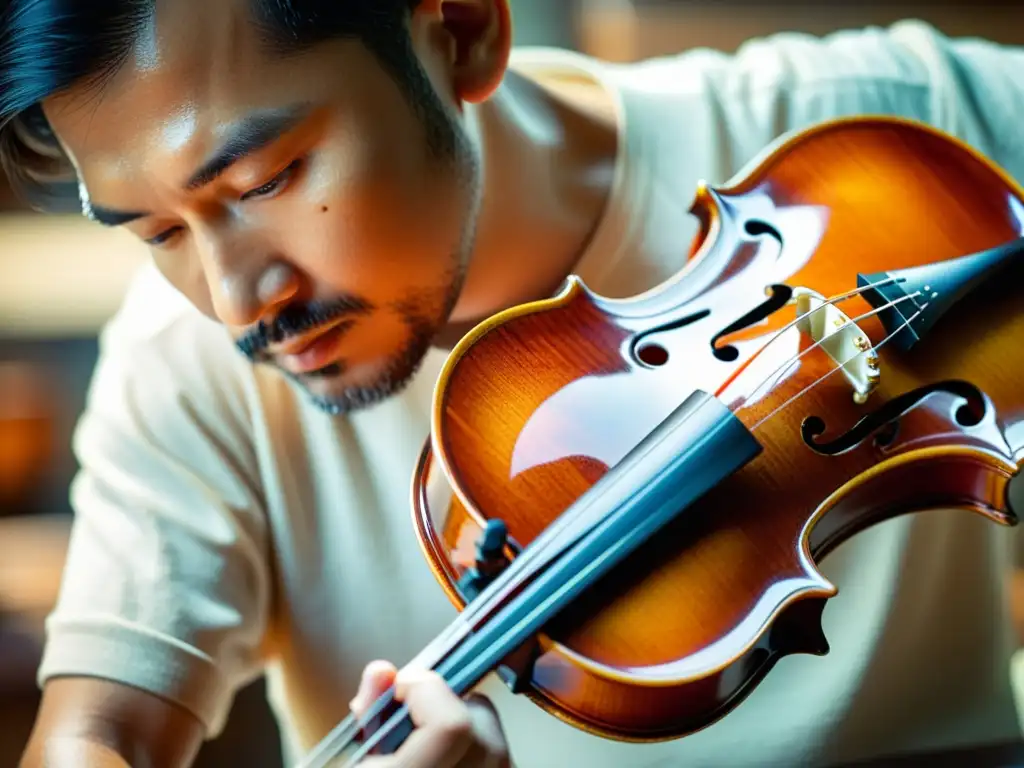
point(194, 68)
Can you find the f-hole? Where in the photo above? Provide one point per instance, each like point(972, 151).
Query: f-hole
point(781, 294)
point(651, 353)
point(883, 423)
point(757, 228)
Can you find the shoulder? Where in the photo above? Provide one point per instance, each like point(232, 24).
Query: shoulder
point(907, 54)
point(709, 112)
point(769, 86)
point(703, 115)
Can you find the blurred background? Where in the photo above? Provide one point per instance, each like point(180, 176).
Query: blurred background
point(61, 278)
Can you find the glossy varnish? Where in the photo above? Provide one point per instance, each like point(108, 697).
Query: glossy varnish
point(536, 405)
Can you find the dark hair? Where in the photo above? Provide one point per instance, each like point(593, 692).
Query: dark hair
point(49, 45)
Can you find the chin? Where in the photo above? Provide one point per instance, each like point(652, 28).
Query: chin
point(342, 387)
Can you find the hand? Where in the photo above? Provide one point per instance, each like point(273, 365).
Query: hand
point(449, 733)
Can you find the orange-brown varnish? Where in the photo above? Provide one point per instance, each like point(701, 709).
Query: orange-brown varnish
point(537, 403)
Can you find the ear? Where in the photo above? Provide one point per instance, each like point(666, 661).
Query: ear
point(479, 34)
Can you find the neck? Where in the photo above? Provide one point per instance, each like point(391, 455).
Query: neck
point(548, 163)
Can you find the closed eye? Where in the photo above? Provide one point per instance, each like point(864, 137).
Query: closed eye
point(266, 190)
point(275, 183)
point(163, 237)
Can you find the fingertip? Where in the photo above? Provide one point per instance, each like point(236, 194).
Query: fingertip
point(409, 676)
point(377, 677)
point(380, 669)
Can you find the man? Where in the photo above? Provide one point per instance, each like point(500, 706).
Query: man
point(338, 189)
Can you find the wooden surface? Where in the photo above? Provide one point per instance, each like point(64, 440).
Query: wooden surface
point(30, 569)
point(62, 276)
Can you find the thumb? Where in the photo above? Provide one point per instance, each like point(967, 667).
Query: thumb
point(377, 677)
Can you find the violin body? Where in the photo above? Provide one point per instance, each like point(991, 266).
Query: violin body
point(859, 421)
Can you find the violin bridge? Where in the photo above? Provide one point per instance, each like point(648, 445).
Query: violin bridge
point(841, 339)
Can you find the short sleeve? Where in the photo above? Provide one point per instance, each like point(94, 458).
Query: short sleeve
point(165, 586)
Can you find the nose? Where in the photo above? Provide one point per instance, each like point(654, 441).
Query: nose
point(247, 280)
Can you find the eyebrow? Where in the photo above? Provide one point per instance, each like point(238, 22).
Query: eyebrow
point(247, 136)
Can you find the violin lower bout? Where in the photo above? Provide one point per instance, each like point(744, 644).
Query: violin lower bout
point(668, 642)
point(630, 706)
point(684, 630)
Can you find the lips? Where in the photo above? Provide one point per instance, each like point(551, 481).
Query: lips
point(314, 350)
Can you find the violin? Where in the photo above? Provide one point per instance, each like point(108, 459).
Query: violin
point(627, 499)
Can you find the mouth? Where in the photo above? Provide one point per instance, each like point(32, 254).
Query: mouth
point(313, 351)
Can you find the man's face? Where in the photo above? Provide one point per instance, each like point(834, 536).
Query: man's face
point(304, 201)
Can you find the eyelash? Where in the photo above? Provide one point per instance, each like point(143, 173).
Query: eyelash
point(265, 190)
point(272, 185)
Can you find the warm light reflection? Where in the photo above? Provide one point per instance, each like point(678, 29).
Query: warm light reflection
point(576, 419)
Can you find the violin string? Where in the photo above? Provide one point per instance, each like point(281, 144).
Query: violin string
point(371, 743)
point(462, 675)
point(829, 303)
point(538, 547)
point(552, 538)
point(552, 543)
point(796, 358)
point(838, 368)
point(345, 732)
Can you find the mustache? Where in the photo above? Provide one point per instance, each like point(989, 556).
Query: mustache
point(295, 320)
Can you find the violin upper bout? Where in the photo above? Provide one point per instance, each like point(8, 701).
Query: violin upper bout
point(490, 396)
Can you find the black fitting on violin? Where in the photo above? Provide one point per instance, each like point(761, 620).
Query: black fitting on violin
point(490, 560)
point(517, 668)
point(927, 292)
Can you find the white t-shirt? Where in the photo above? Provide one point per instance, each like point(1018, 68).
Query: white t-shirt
point(225, 528)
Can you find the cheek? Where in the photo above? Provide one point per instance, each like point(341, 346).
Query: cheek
point(373, 214)
point(378, 224)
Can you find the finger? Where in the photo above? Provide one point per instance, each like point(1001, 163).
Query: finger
point(444, 725)
point(487, 746)
point(377, 677)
